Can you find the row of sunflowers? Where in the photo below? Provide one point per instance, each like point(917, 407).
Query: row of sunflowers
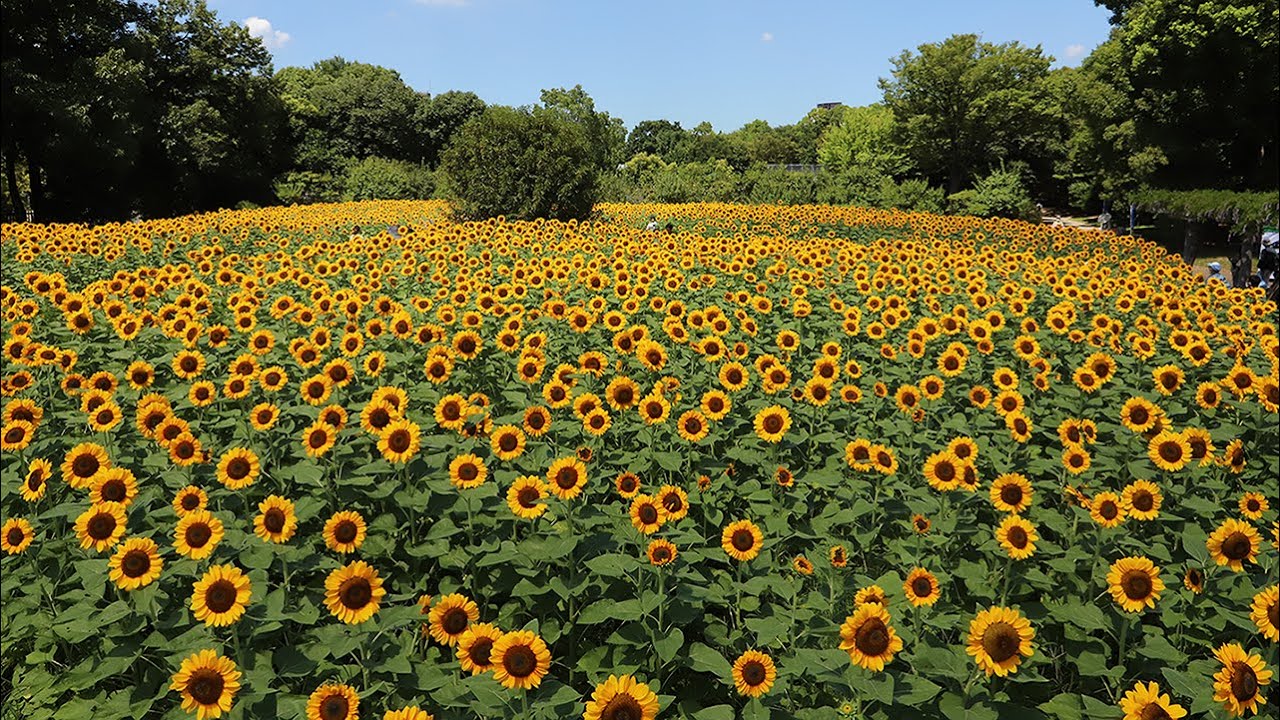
point(358, 460)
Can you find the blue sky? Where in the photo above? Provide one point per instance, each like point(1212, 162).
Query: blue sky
point(724, 62)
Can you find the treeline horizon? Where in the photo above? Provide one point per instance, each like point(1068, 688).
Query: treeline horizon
point(118, 108)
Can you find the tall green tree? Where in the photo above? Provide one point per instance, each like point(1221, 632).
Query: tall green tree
point(442, 117)
point(863, 137)
point(605, 134)
point(963, 106)
point(654, 137)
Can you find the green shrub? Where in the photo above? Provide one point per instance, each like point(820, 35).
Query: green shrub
point(303, 187)
point(913, 195)
point(376, 178)
point(1000, 194)
point(521, 164)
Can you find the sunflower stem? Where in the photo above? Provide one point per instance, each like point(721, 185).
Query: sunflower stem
point(524, 704)
point(1008, 574)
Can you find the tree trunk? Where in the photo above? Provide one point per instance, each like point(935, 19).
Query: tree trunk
point(1191, 242)
point(1242, 257)
point(11, 178)
point(37, 183)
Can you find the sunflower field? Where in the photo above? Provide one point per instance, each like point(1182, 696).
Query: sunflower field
point(784, 462)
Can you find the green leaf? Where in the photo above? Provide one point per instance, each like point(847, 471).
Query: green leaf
point(704, 659)
point(715, 712)
point(953, 707)
point(912, 691)
point(605, 610)
point(670, 645)
point(1064, 707)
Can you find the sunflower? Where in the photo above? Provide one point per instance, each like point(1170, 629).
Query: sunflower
point(114, 485)
point(627, 484)
point(475, 647)
point(221, 595)
point(1208, 396)
point(1011, 493)
point(36, 481)
point(869, 638)
point(333, 702)
point(998, 639)
point(197, 534)
point(871, 594)
point(276, 521)
point(654, 409)
point(1139, 414)
point(467, 471)
point(802, 565)
point(507, 442)
point(1265, 612)
point(943, 470)
point(344, 532)
point(647, 514)
point(82, 463)
point(16, 435)
point(1107, 509)
point(263, 416)
point(399, 441)
point(238, 468)
point(208, 683)
point(741, 540)
point(1142, 500)
point(621, 698)
point(622, 393)
point(715, 404)
point(1076, 460)
point(754, 673)
point(537, 421)
point(1169, 451)
point(772, 423)
point(520, 660)
point(1017, 537)
point(525, 497)
point(353, 593)
point(189, 499)
point(185, 450)
point(1135, 583)
point(838, 557)
point(1253, 505)
point(409, 712)
point(921, 587)
point(1193, 580)
point(1144, 702)
point(136, 563)
point(318, 439)
point(692, 426)
point(1238, 685)
point(1234, 543)
point(101, 526)
point(450, 617)
point(567, 477)
point(16, 535)
point(675, 501)
point(661, 552)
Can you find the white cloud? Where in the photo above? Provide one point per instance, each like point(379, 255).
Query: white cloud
point(1074, 51)
point(766, 37)
point(271, 37)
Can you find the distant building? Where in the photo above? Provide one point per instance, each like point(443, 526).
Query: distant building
point(829, 105)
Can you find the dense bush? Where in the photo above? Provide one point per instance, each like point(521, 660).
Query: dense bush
point(381, 179)
point(521, 164)
point(1000, 194)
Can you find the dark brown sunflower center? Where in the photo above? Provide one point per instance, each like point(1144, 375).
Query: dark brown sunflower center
point(528, 497)
point(355, 593)
point(693, 426)
point(648, 514)
point(318, 438)
point(1011, 495)
point(1237, 546)
point(743, 540)
point(190, 501)
point(220, 596)
point(508, 442)
point(921, 587)
point(772, 424)
point(15, 536)
point(1136, 584)
point(520, 662)
point(1273, 614)
point(205, 686)
point(754, 673)
point(567, 478)
point(1253, 505)
point(1139, 416)
point(1143, 501)
point(662, 554)
point(454, 621)
point(273, 520)
point(1153, 712)
point(872, 639)
point(345, 532)
point(101, 526)
point(15, 434)
point(188, 364)
point(184, 450)
point(35, 480)
point(1244, 681)
point(480, 651)
point(334, 707)
point(945, 471)
point(135, 563)
point(1170, 451)
point(1000, 641)
point(398, 441)
point(238, 468)
point(1109, 510)
point(537, 421)
point(198, 535)
point(672, 502)
point(1018, 537)
point(85, 466)
point(468, 471)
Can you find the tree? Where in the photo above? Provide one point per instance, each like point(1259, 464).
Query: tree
point(522, 164)
point(654, 137)
point(442, 117)
point(807, 133)
point(605, 135)
point(963, 106)
point(377, 178)
point(1204, 78)
point(999, 194)
point(863, 138)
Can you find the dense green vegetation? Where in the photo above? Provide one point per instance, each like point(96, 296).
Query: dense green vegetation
point(117, 107)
